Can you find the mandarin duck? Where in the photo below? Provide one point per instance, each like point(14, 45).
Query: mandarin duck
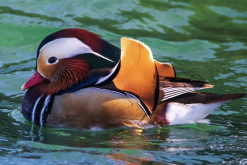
point(82, 81)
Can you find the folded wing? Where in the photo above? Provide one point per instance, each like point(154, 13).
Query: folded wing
point(137, 72)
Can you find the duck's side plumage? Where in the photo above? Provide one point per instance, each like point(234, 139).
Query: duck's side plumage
point(109, 109)
point(82, 81)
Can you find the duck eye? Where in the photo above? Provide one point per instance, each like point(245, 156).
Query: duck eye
point(51, 60)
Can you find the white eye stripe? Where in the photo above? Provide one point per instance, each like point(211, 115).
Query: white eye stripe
point(66, 48)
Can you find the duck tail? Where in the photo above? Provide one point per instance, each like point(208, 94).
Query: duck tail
point(190, 107)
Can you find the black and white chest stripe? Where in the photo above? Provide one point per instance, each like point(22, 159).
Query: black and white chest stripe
point(41, 109)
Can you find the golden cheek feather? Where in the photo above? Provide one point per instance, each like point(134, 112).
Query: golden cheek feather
point(46, 70)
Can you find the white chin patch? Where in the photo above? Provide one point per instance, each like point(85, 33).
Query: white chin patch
point(178, 113)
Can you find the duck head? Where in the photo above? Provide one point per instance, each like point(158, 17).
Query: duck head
point(65, 58)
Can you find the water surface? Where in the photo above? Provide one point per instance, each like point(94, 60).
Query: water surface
point(204, 40)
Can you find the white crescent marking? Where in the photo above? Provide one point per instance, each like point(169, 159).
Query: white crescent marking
point(43, 109)
point(34, 108)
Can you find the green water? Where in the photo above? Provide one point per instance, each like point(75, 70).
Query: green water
point(204, 40)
